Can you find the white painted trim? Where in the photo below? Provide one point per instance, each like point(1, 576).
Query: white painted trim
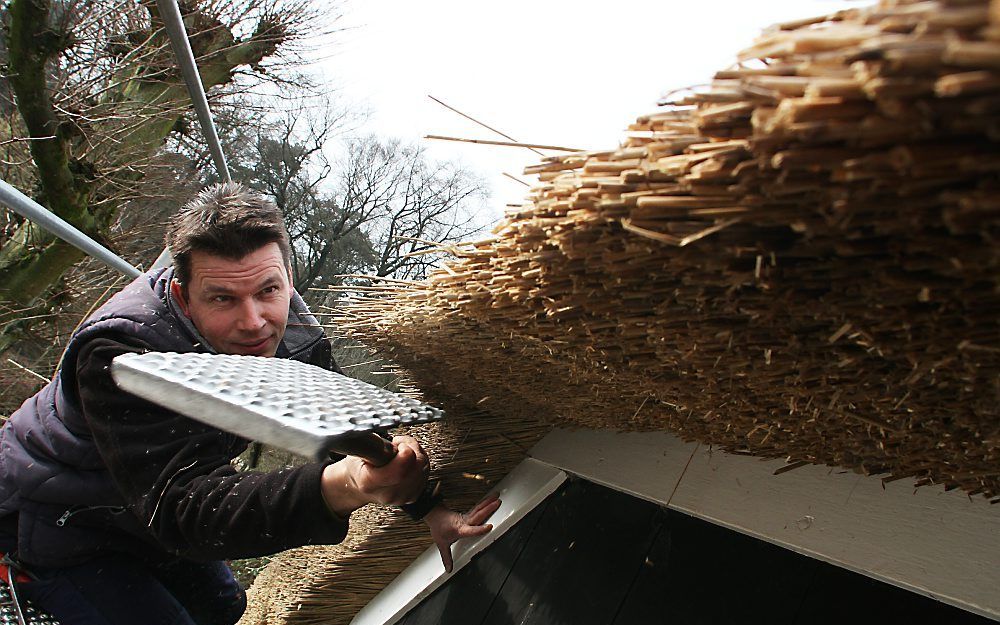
point(529, 484)
point(936, 543)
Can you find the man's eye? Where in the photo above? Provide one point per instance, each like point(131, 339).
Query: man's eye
point(220, 299)
point(269, 290)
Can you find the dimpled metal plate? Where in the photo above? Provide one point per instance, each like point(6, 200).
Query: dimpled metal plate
point(285, 403)
point(8, 613)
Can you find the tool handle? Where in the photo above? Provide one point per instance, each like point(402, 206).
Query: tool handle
point(370, 447)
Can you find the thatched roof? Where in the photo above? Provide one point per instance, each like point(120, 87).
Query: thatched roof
point(800, 261)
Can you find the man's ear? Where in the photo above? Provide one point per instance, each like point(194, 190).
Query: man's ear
point(288, 270)
point(177, 291)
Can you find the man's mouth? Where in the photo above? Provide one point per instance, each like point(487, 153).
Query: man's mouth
point(255, 346)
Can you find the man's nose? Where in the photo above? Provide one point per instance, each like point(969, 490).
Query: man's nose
point(250, 316)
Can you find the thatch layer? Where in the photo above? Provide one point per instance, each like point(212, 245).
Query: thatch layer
point(800, 261)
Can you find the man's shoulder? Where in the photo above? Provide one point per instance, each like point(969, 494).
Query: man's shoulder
point(141, 300)
point(138, 318)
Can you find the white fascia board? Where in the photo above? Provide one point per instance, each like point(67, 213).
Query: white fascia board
point(529, 484)
point(938, 543)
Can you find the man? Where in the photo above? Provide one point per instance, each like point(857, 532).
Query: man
point(122, 511)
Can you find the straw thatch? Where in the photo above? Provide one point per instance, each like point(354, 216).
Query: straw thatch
point(800, 261)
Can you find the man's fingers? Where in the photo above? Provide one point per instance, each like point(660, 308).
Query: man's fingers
point(411, 443)
point(491, 500)
point(479, 517)
point(418, 451)
point(444, 549)
point(405, 453)
point(406, 463)
point(482, 511)
point(468, 531)
point(402, 480)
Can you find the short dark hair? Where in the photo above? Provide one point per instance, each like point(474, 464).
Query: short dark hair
point(226, 220)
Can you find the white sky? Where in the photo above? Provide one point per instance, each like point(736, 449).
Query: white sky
point(557, 72)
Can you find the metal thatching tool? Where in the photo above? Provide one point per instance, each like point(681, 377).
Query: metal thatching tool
point(284, 403)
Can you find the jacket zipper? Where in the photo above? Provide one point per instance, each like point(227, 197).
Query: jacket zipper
point(61, 521)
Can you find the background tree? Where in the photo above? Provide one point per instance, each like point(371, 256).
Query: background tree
point(352, 204)
point(414, 206)
point(96, 95)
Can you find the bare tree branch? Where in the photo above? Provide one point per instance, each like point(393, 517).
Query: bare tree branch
point(98, 94)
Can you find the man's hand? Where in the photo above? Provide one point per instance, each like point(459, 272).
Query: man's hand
point(447, 526)
point(351, 483)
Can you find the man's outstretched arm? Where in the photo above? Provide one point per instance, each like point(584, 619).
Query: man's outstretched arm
point(175, 474)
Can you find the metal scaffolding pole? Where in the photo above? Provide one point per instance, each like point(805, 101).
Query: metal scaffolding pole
point(179, 41)
point(174, 24)
point(42, 217)
point(29, 209)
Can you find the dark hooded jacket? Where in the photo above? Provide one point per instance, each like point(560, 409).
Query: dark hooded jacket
point(86, 469)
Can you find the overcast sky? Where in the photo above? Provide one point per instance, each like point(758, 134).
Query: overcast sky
point(557, 72)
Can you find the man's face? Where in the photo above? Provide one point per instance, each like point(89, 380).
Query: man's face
point(239, 306)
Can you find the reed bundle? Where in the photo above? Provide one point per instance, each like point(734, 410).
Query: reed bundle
point(799, 261)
